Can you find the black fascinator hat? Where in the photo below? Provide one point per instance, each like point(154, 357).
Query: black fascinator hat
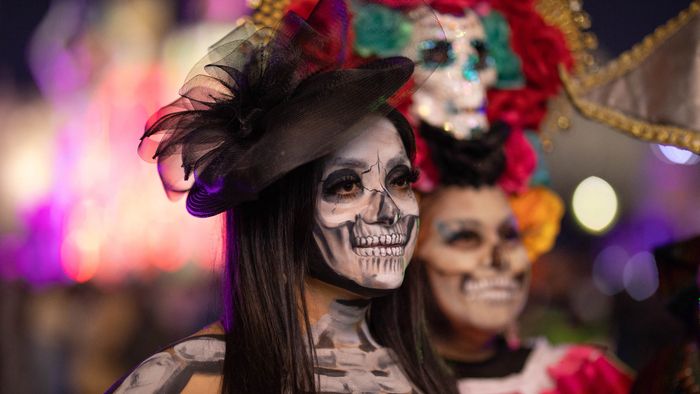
point(262, 103)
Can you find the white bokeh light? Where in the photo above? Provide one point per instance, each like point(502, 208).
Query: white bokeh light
point(595, 205)
point(677, 155)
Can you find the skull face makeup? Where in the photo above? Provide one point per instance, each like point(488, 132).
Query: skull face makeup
point(475, 261)
point(366, 213)
point(454, 96)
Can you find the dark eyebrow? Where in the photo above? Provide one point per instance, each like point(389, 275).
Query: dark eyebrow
point(452, 223)
point(396, 160)
point(346, 162)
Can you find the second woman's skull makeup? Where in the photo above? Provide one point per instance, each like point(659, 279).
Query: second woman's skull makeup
point(453, 52)
point(366, 212)
point(476, 263)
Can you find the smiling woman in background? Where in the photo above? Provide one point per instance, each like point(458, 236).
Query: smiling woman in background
point(313, 171)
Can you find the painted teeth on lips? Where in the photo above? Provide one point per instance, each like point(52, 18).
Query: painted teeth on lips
point(499, 283)
point(381, 240)
point(380, 251)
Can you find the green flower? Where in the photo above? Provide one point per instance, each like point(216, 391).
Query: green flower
point(508, 67)
point(541, 175)
point(380, 31)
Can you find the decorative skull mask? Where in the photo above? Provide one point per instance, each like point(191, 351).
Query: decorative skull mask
point(475, 260)
point(454, 55)
point(366, 213)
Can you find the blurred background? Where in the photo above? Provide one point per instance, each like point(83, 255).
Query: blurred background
point(98, 269)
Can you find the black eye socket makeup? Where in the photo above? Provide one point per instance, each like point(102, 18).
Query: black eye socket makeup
point(436, 53)
point(341, 185)
point(460, 235)
point(464, 239)
point(509, 232)
point(401, 177)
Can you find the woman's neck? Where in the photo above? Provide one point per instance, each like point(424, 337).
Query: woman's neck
point(337, 317)
point(322, 298)
point(346, 356)
point(467, 344)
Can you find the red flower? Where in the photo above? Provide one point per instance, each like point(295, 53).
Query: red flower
point(303, 8)
point(429, 177)
point(520, 162)
point(520, 108)
point(454, 7)
point(542, 49)
point(584, 369)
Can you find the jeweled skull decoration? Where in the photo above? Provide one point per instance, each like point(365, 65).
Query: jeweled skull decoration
point(453, 53)
point(476, 263)
point(366, 213)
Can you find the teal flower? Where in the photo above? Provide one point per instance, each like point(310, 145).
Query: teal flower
point(541, 175)
point(380, 31)
point(508, 67)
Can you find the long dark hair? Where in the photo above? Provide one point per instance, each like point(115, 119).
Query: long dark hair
point(269, 247)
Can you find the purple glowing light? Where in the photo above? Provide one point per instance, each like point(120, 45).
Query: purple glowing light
point(609, 268)
point(677, 155)
point(641, 276)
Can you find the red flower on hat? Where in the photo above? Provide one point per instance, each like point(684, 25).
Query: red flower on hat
point(520, 162)
point(542, 49)
point(520, 108)
point(303, 8)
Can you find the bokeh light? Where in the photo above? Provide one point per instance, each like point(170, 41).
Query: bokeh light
point(595, 205)
point(609, 269)
point(674, 155)
point(641, 276)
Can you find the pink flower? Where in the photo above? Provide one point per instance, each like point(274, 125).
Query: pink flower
point(520, 162)
point(429, 177)
point(584, 369)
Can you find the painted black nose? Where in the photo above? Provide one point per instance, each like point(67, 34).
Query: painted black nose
point(498, 261)
point(382, 209)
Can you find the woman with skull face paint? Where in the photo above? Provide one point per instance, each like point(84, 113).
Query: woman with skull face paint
point(472, 258)
point(312, 169)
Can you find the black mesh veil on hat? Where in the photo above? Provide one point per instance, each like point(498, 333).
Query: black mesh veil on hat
point(262, 103)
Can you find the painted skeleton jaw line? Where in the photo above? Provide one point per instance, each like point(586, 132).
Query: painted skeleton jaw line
point(373, 255)
point(378, 266)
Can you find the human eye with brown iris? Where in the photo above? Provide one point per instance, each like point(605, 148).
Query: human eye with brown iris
point(342, 185)
point(366, 213)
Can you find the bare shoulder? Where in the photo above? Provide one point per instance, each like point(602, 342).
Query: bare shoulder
point(192, 365)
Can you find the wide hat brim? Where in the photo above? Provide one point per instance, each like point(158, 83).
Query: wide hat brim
point(315, 122)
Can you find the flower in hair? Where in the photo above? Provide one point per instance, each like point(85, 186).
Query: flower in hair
point(538, 212)
point(380, 31)
point(507, 63)
point(520, 162)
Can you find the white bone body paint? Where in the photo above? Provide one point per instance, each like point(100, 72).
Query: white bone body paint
point(349, 360)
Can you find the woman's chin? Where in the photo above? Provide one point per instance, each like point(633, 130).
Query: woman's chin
point(383, 281)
